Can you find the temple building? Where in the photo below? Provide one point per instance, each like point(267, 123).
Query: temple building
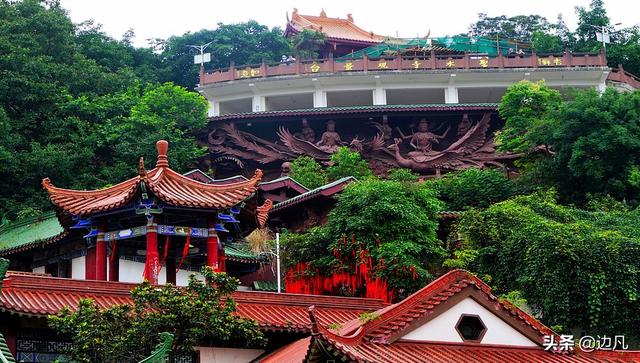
point(343, 36)
point(427, 104)
point(455, 318)
point(159, 226)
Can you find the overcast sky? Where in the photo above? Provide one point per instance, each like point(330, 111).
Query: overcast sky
point(162, 18)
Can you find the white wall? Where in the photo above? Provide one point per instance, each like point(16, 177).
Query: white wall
point(442, 328)
point(39, 270)
point(227, 355)
point(131, 271)
point(78, 268)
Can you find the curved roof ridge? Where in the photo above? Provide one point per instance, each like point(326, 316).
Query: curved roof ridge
point(167, 184)
point(425, 300)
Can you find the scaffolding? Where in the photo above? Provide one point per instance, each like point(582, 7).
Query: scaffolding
point(458, 44)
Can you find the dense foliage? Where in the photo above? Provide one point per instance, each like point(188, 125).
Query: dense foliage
point(242, 44)
point(593, 140)
point(474, 188)
point(575, 268)
point(519, 27)
point(308, 172)
point(546, 37)
point(395, 222)
point(345, 162)
point(102, 140)
point(202, 313)
point(307, 43)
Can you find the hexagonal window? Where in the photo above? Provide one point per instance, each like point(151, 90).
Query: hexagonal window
point(471, 328)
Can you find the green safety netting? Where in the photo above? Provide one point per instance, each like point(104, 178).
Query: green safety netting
point(447, 45)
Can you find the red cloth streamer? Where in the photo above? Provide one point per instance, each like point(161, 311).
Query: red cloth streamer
point(302, 280)
point(185, 249)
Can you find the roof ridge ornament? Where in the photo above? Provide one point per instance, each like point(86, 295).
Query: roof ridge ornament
point(162, 146)
point(314, 320)
point(141, 170)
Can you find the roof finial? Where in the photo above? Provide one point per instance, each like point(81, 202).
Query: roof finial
point(141, 170)
point(314, 320)
point(323, 14)
point(162, 146)
point(350, 18)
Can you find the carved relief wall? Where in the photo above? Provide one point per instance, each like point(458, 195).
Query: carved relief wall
point(427, 143)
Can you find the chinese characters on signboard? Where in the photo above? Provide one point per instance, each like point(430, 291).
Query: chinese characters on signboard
point(550, 61)
point(249, 73)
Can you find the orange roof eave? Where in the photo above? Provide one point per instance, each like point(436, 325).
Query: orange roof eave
point(333, 28)
point(168, 185)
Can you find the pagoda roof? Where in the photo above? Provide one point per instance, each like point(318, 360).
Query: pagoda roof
point(335, 29)
point(166, 184)
point(41, 295)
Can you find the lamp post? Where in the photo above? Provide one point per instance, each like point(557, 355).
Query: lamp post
point(603, 34)
point(201, 58)
point(277, 256)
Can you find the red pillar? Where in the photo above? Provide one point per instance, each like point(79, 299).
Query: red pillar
point(90, 264)
point(114, 262)
point(152, 262)
point(212, 245)
point(222, 261)
point(101, 255)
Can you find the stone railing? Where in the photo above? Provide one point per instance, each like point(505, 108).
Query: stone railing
point(429, 62)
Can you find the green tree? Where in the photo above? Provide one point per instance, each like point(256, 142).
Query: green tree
point(525, 107)
point(593, 139)
point(202, 313)
point(575, 268)
point(161, 112)
point(396, 221)
point(517, 28)
point(308, 43)
point(595, 15)
point(345, 162)
point(543, 42)
point(473, 188)
point(308, 172)
point(242, 43)
point(625, 50)
point(403, 175)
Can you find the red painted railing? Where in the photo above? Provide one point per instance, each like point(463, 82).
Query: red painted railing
point(429, 62)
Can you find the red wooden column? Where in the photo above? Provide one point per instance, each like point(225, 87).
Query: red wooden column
point(170, 267)
point(212, 245)
point(114, 262)
point(101, 255)
point(90, 264)
point(152, 262)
